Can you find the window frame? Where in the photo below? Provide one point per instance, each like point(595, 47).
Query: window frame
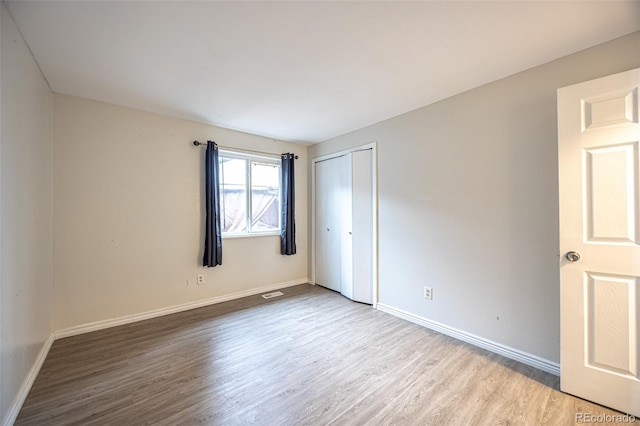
point(249, 159)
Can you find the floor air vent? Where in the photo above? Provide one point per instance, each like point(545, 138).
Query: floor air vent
point(274, 294)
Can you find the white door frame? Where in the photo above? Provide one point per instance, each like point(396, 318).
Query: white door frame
point(374, 231)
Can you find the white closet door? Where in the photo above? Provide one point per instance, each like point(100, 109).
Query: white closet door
point(329, 192)
point(362, 212)
point(344, 225)
point(344, 204)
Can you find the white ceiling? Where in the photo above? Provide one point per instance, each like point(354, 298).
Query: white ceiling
point(301, 71)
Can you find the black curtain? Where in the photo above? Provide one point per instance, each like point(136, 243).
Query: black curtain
point(213, 234)
point(287, 206)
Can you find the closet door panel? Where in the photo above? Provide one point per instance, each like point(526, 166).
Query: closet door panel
point(345, 213)
point(328, 225)
point(362, 208)
point(344, 225)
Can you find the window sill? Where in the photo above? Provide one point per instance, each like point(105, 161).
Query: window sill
point(255, 234)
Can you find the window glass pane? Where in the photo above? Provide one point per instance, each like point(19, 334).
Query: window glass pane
point(265, 195)
point(233, 194)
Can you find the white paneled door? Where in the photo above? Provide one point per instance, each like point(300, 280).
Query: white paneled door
point(599, 187)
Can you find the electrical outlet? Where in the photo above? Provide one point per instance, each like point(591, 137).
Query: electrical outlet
point(428, 293)
point(200, 279)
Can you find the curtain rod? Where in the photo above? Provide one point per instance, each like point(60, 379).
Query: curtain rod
point(197, 143)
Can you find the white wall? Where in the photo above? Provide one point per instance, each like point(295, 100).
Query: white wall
point(468, 202)
point(128, 215)
point(26, 276)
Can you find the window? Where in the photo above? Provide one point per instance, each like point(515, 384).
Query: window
point(250, 194)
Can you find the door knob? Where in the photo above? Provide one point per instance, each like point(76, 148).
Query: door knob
point(572, 256)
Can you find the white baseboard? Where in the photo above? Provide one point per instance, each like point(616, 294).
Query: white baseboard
point(100, 325)
point(511, 353)
point(14, 410)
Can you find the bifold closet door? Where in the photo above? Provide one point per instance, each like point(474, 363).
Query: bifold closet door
point(362, 226)
point(332, 203)
point(344, 225)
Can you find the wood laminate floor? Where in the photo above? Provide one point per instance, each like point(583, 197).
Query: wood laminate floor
point(310, 357)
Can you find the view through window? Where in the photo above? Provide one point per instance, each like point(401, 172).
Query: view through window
point(250, 194)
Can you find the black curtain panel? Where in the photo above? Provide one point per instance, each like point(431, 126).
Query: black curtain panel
point(213, 232)
point(287, 206)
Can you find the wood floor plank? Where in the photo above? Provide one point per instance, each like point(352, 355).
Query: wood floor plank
point(310, 357)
